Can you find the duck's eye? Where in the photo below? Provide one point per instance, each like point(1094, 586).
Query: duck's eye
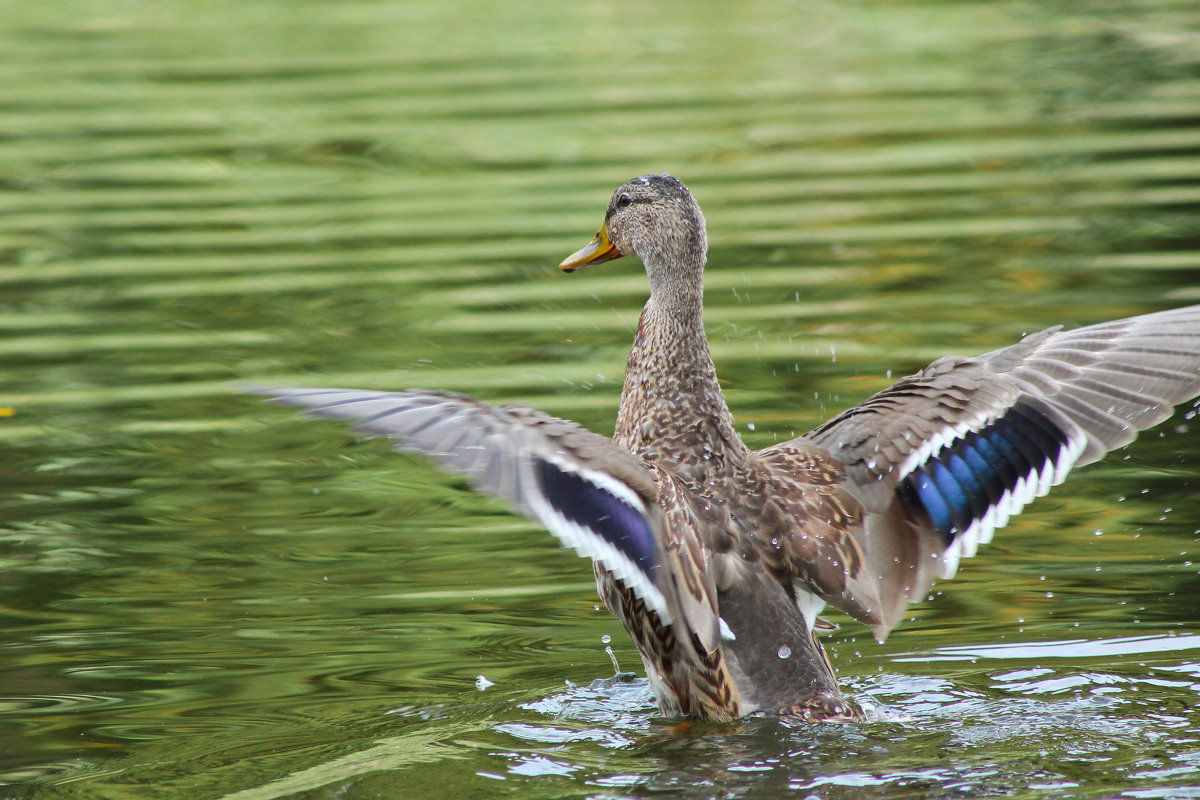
point(624, 201)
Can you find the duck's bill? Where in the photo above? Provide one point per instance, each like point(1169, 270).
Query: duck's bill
point(597, 251)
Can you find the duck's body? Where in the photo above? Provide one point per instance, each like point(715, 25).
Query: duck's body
point(673, 416)
point(715, 558)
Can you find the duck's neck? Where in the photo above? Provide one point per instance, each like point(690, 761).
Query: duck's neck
point(672, 409)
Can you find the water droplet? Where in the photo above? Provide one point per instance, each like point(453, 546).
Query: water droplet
point(613, 658)
point(785, 651)
point(605, 639)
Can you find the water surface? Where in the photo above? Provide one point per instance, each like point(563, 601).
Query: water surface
point(206, 597)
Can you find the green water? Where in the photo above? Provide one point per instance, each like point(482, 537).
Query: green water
point(205, 597)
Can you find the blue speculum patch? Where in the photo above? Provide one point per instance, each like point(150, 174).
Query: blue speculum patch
point(960, 483)
point(599, 511)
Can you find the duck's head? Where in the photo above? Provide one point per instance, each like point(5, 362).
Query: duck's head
point(655, 218)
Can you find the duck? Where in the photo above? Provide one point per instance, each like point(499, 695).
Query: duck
point(717, 559)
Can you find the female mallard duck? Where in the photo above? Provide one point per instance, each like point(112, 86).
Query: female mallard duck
point(716, 558)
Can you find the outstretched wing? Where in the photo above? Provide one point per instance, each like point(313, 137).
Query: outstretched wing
point(946, 456)
point(595, 497)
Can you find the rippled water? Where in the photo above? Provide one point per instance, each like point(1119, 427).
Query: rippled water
point(206, 597)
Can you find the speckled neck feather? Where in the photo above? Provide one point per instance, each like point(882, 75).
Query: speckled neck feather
point(672, 408)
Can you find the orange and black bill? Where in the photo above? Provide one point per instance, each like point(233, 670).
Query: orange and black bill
point(597, 251)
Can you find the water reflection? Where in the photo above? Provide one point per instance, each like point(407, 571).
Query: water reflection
point(203, 599)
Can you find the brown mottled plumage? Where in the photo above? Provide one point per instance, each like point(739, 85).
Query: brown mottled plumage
point(716, 559)
point(759, 531)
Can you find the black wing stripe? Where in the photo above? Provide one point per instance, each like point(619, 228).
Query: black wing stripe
point(1048, 438)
